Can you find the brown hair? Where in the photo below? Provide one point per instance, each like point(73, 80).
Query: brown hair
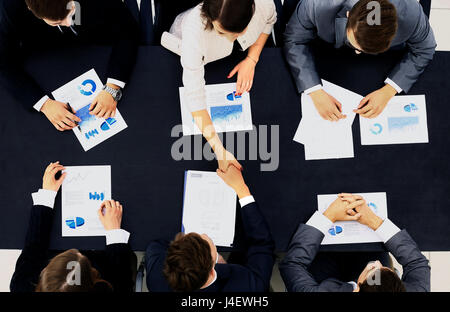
point(233, 15)
point(389, 282)
point(55, 277)
point(375, 38)
point(55, 10)
point(188, 262)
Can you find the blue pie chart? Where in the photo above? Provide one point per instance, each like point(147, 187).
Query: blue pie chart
point(335, 230)
point(74, 223)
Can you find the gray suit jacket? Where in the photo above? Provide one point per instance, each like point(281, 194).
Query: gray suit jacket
point(306, 243)
point(327, 20)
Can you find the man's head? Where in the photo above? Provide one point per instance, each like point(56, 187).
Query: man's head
point(376, 278)
point(53, 12)
point(190, 262)
point(229, 18)
point(70, 271)
point(372, 26)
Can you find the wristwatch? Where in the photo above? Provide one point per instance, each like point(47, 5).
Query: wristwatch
point(115, 93)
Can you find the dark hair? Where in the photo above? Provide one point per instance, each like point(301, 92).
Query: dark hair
point(55, 10)
point(54, 278)
point(389, 282)
point(375, 38)
point(233, 15)
point(188, 262)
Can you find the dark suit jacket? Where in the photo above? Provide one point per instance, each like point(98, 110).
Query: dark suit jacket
point(34, 257)
point(103, 22)
point(254, 275)
point(306, 243)
point(327, 20)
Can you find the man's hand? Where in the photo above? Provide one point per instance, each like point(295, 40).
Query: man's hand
point(233, 177)
point(225, 159)
point(366, 215)
point(328, 107)
point(246, 73)
point(340, 210)
point(374, 104)
point(49, 181)
point(59, 115)
point(104, 105)
point(110, 214)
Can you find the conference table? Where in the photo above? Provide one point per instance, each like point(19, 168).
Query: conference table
point(149, 182)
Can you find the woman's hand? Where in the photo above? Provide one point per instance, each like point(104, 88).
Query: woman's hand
point(246, 73)
point(49, 181)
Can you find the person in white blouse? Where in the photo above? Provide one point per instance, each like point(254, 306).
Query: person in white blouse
point(207, 33)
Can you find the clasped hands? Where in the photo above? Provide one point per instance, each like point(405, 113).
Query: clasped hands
point(349, 207)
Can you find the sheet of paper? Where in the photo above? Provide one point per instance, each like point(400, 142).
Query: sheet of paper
point(228, 112)
point(324, 139)
point(83, 191)
point(351, 232)
point(209, 207)
point(404, 120)
point(80, 93)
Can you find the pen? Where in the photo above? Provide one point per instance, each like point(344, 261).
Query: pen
point(71, 110)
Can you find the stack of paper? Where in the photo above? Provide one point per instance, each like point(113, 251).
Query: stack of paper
point(209, 207)
point(325, 139)
point(404, 120)
point(350, 232)
point(229, 112)
point(84, 189)
point(80, 93)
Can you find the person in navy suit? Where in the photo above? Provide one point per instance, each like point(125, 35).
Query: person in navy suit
point(191, 261)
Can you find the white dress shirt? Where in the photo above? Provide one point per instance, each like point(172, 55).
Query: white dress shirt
point(198, 46)
point(47, 198)
point(387, 81)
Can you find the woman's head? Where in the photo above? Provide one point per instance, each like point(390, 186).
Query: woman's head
point(70, 271)
point(228, 17)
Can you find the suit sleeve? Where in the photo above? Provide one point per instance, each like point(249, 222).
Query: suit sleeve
point(33, 258)
point(302, 251)
point(13, 77)
point(123, 28)
point(422, 46)
point(260, 252)
point(416, 270)
point(119, 267)
point(300, 31)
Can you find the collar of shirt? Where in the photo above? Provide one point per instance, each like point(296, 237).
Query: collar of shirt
point(212, 282)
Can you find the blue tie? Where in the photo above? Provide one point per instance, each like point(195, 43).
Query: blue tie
point(146, 23)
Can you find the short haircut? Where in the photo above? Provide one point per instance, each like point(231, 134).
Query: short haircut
point(61, 270)
point(389, 282)
point(371, 37)
point(55, 10)
point(188, 262)
point(233, 15)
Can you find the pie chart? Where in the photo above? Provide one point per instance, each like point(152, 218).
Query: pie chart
point(335, 230)
point(74, 223)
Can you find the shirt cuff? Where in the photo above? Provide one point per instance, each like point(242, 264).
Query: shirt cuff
point(116, 82)
point(38, 105)
point(354, 285)
point(320, 222)
point(246, 201)
point(393, 85)
point(315, 88)
point(387, 230)
point(44, 198)
point(117, 237)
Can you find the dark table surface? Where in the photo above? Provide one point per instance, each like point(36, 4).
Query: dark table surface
point(149, 183)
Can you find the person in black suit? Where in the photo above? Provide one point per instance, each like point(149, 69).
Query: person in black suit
point(191, 262)
point(305, 270)
point(71, 271)
point(28, 26)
